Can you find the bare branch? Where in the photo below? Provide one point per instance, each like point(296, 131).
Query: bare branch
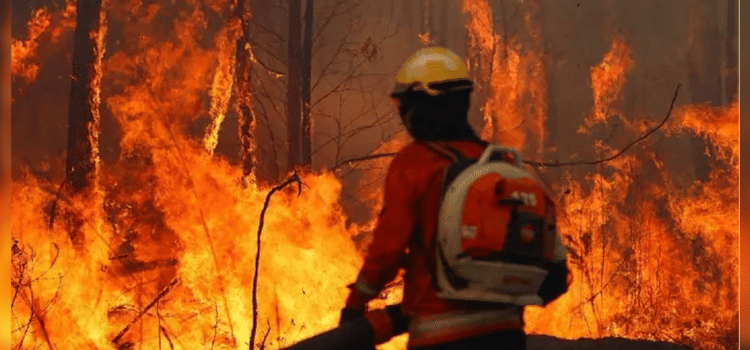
point(364, 158)
point(549, 164)
point(292, 179)
point(612, 157)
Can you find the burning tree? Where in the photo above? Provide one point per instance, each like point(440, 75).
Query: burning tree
point(83, 120)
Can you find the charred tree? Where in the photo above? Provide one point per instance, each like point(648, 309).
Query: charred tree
point(243, 84)
point(294, 82)
point(306, 69)
point(83, 112)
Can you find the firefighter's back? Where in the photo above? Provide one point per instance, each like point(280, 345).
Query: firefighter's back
point(435, 320)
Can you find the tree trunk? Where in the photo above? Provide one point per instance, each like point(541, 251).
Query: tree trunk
point(732, 79)
point(426, 12)
point(83, 112)
point(306, 79)
point(243, 84)
point(442, 39)
point(294, 113)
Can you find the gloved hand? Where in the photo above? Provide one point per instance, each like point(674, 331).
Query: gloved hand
point(349, 314)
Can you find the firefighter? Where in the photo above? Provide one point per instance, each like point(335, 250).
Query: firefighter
point(432, 97)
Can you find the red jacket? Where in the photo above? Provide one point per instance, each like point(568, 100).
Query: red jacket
point(409, 221)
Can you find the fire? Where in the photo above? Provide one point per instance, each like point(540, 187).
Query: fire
point(719, 124)
point(67, 21)
point(169, 240)
point(607, 80)
point(175, 223)
point(221, 90)
point(651, 260)
point(23, 51)
point(514, 70)
point(634, 269)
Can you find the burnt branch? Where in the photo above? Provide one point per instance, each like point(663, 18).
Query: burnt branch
point(265, 337)
point(153, 302)
point(621, 152)
point(364, 158)
point(292, 179)
point(166, 336)
point(546, 164)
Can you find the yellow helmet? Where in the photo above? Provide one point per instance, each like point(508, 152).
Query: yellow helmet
point(427, 69)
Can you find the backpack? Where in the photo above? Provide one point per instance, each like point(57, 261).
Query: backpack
point(496, 238)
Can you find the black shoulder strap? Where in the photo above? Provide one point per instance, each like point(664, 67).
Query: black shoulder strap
point(441, 149)
point(458, 164)
point(459, 156)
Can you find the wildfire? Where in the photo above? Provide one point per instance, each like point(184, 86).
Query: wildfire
point(642, 248)
point(168, 258)
point(607, 80)
point(514, 70)
point(167, 250)
point(22, 51)
point(719, 124)
point(221, 90)
point(67, 21)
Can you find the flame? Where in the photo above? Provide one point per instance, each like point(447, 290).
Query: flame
point(154, 227)
point(607, 80)
point(514, 71)
point(67, 22)
point(22, 51)
point(221, 90)
point(719, 124)
point(425, 39)
point(651, 260)
point(169, 239)
point(98, 37)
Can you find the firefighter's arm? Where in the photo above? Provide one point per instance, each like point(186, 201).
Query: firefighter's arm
point(391, 236)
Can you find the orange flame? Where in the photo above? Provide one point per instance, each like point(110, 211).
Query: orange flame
point(155, 226)
point(651, 260)
point(22, 51)
point(516, 104)
point(221, 90)
point(641, 248)
point(607, 80)
point(719, 124)
point(68, 21)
